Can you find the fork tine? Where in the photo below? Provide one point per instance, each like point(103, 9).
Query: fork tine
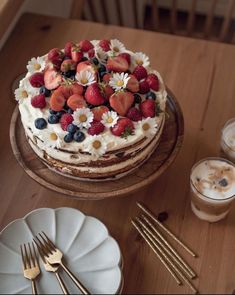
point(46, 240)
point(28, 264)
point(49, 241)
point(35, 255)
point(41, 255)
point(31, 256)
point(22, 256)
point(45, 243)
point(40, 246)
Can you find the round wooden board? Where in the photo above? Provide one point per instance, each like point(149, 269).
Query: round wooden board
point(164, 155)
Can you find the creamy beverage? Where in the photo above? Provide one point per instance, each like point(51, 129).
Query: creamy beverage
point(212, 183)
point(228, 140)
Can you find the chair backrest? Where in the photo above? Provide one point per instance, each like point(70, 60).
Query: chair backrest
point(132, 13)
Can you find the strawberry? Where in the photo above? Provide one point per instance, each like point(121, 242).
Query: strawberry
point(91, 53)
point(140, 72)
point(105, 45)
point(107, 77)
point(85, 45)
point(76, 54)
point(144, 87)
point(37, 80)
point(69, 89)
point(121, 102)
point(94, 95)
point(153, 82)
point(123, 127)
point(117, 64)
point(76, 101)
point(126, 56)
point(68, 65)
point(55, 56)
point(98, 112)
point(67, 48)
point(38, 101)
point(134, 114)
point(52, 79)
point(57, 100)
point(96, 128)
point(65, 120)
point(108, 91)
point(148, 108)
point(133, 84)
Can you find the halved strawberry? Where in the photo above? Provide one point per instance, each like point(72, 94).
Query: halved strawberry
point(105, 45)
point(85, 45)
point(52, 79)
point(76, 54)
point(67, 48)
point(153, 81)
point(98, 112)
point(87, 66)
point(148, 108)
point(94, 95)
point(123, 127)
point(76, 101)
point(68, 65)
point(121, 102)
point(133, 84)
point(126, 56)
point(117, 64)
point(70, 89)
point(57, 100)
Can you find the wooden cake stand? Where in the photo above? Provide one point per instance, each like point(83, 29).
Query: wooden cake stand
point(164, 155)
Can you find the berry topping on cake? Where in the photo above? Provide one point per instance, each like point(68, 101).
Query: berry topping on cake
point(40, 123)
point(148, 108)
point(126, 56)
point(79, 136)
point(98, 112)
point(117, 64)
point(91, 53)
point(65, 120)
point(121, 102)
point(94, 95)
point(105, 45)
point(45, 91)
point(72, 128)
point(67, 49)
point(53, 119)
point(85, 45)
point(88, 67)
point(57, 100)
point(140, 72)
point(68, 65)
point(37, 79)
point(106, 77)
point(124, 127)
point(96, 128)
point(151, 95)
point(55, 56)
point(76, 54)
point(68, 137)
point(52, 79)
point(134, 114)
point(137, 98)
point(133, 84)
point(76, 101)
point(153, 82)
point(38, 101)
point(144, 87)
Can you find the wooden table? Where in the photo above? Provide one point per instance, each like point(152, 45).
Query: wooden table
point(201, 74)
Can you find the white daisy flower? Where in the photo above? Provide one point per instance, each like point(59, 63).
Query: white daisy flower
point(119, 81)
point(32, 91)
point(21, 94)
point(51, 139)
point(117, 46)
point(101, 55)
point(109, 119)
point(148, 126)
point(140, 59)
point(96, 146)
point(85, 78)
point(36, 64)
point(83, 117)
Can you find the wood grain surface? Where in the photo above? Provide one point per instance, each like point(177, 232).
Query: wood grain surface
point(160, 160)
point(201, 75)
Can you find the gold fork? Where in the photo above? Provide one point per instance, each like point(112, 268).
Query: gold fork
point(31, 267)
point(54, 257)
point(50, 268)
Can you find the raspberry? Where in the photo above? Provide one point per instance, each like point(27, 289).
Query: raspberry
point(134, 114)
point(37, 80)
point(140, 72)
point(144, 87)
point(96, 128)
point(105, 45)
point(65, 120)
point(38, 101)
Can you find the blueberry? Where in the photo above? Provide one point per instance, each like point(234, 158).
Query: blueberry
point(69, 74)
point(72, 128)
point(151, 95)
point(53, 119)
point(40, 123)
point(60, 113)
point(68, 137)
point(95, 61)
point(137, 98)
point(84, 58)
point(102, 68)
point(45, 91)
point(52, 112)
point(79, 136)
point(70, 111)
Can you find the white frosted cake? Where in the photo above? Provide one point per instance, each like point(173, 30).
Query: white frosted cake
point(93, 110)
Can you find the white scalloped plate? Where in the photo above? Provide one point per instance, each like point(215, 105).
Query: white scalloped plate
point(89, 251)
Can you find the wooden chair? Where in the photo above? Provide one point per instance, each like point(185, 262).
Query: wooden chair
point(97, 11)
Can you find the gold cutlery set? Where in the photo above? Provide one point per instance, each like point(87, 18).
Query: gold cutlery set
point(51, 258)
point(151, 230)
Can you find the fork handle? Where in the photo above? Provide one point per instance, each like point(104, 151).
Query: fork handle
point(75, 280)
point(34, 288)
point(62, 284)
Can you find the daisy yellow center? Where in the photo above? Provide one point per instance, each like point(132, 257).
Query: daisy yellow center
point(84, 81)
point(120, 83)
point(145, 126)
point(96, 144)
point(82, 118)
point(116, 49)
point(53, 136)
point(24, 94)
point(110, 120)
point(37, 67)
point(139, 62)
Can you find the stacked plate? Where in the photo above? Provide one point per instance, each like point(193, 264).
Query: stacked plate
point(89, 251)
